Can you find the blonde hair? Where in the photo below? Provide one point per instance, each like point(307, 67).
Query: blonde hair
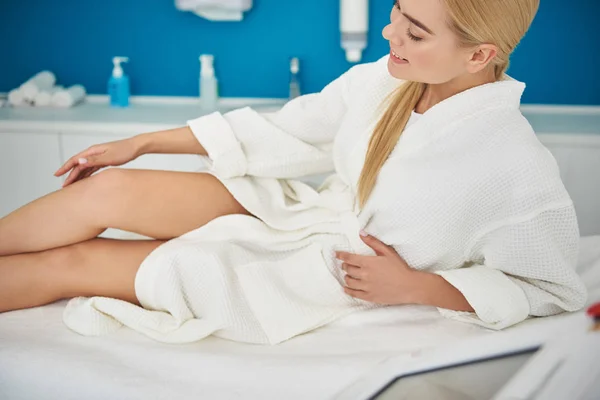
point(501, 22)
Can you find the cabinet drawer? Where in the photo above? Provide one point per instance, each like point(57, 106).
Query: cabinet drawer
point(27, 165)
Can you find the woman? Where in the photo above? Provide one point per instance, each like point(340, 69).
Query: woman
point(463, 206)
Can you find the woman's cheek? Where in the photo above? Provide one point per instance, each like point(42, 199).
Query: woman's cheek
point(437, 65)
point(423, 61)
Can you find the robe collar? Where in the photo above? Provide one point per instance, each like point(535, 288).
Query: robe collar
point(501, 95)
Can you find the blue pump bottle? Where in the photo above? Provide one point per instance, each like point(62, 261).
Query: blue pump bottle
point(118, 84)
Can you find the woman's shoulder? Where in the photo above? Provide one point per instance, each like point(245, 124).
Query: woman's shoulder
point(502, 130)
point(517, 139)
point(517, 159)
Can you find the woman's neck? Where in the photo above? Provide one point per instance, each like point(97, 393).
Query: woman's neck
point(437, 93)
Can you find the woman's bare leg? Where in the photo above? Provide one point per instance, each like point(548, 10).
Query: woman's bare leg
point(157, 204)
point(96, 267)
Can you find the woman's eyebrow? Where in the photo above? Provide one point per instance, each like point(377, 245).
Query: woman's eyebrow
point(415, 21)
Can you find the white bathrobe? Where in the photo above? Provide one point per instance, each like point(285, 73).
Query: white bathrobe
point(468, 193)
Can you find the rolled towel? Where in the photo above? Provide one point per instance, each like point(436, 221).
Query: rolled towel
point(41, 81)
point(15, 97)
point(68, 97)
point(44, 97)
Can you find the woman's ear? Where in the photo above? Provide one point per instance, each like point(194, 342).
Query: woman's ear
point(481, 57)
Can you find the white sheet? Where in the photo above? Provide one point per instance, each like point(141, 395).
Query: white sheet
point(41, 358)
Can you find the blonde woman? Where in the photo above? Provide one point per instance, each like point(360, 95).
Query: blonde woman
point(440, 195)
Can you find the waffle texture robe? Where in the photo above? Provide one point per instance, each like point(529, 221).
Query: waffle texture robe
point(468, 193)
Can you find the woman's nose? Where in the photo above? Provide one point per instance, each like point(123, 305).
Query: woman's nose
point(392, 33)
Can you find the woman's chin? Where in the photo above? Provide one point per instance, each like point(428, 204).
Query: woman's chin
point(398, 71)
point(397, 74)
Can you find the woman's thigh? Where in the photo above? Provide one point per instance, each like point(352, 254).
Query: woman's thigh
point(101, 267)
point(159, 204)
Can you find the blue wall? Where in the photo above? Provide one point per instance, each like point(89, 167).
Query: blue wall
point(558, 59)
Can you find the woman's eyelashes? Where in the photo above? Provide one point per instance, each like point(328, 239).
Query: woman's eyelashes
point(408, 32)
point(413, 37)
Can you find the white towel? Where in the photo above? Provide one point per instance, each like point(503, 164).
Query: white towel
point(41, 81)
point(16, 98)
point(191, 5)
point(216, 10)
point(68, 97)
point(44, 97)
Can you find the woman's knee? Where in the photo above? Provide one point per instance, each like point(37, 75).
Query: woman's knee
point(103, 267)
point(63, 268)
point(105, 191)
point(75, 267)
point(110, 182)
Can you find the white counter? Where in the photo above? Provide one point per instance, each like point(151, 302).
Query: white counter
point(155, 113)
point(170, 112)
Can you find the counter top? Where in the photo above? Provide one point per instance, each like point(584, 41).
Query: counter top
point(157, 113)
point(153, 113)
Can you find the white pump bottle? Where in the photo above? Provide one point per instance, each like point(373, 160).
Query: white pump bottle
point(209, 94)
point(354, 25)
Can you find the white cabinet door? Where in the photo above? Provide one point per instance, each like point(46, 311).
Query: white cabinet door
point(579, 161)
point(74, 143)
point(580, 171)
point(27, 165)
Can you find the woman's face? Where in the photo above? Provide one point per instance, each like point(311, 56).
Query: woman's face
point(419, 34)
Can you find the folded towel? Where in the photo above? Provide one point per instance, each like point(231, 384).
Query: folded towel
point(191, 5)
point(216, 10)
point(66, 98)
point(41, 81)
point(16, 98)
point(44, 97)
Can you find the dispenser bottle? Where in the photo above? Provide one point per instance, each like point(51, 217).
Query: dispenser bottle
point(354, 21)
point(209, 93)
point(118, 84)
point(294, 78)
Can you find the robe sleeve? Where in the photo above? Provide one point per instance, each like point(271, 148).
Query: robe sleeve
point(293, 142)
point(527, 269)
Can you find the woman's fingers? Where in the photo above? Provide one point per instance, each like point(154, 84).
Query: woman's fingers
point(71, 163)
point(90, 164)
point(86, 173)
point(89, 172)
point(354, 283)
point(352, 270)
point(78, 170)
point(72, 176)
point(354, 259)
point(92, 161)
point(83, 157)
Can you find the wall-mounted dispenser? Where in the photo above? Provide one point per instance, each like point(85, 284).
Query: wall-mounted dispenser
point(216, 10)
point(354, 25)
